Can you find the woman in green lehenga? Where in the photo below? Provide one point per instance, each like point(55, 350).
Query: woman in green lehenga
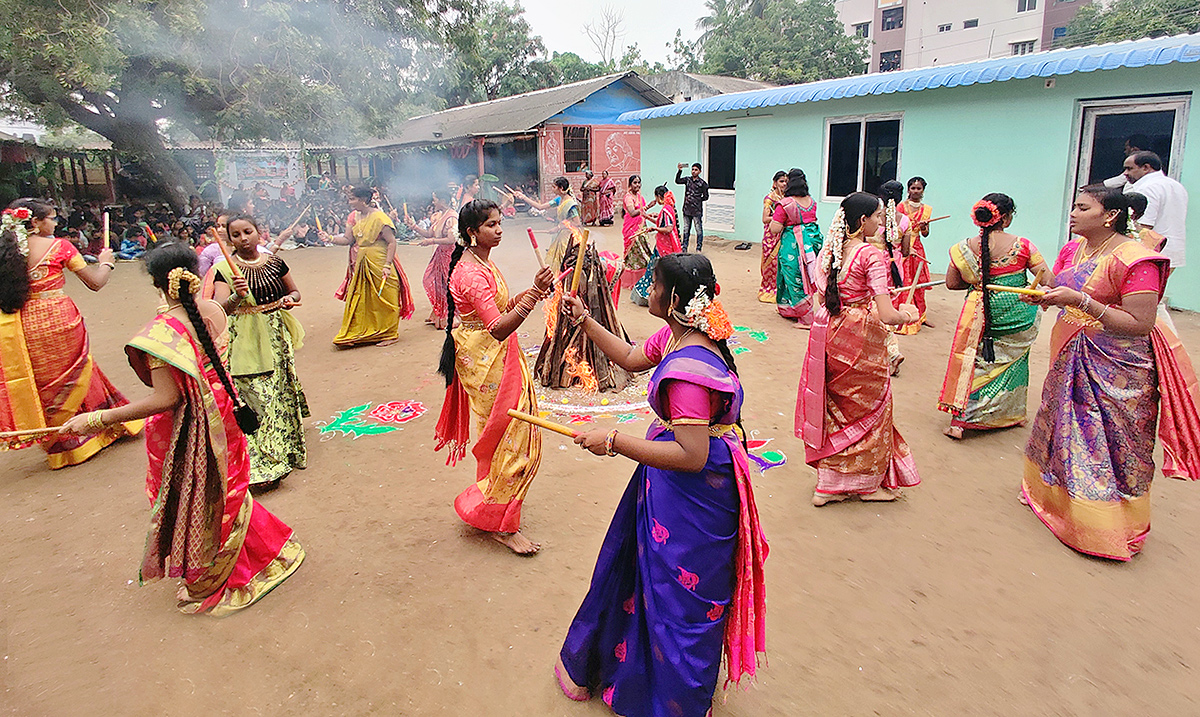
point(263, 339)
point(794, 227)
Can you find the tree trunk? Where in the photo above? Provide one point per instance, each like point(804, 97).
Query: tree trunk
point(141, 142)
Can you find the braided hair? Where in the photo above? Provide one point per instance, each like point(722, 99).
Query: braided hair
point(854, 209)
point(989, 222)
point(892, 193)
point(681, 275)
point(159, 263)
point(472, 216)
point(14, 269)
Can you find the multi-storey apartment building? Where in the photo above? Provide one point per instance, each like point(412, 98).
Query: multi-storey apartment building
point(906, 34)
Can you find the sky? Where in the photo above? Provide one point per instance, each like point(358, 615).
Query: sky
point(651, 24)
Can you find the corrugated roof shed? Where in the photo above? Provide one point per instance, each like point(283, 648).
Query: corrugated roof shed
point(509, 115)
point(1136, 53)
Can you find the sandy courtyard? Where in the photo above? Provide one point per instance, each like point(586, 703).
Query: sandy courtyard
point(955, 601)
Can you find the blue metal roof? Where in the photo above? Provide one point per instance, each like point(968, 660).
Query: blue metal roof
point(1136, 53)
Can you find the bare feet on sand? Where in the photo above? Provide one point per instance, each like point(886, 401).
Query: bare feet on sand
point(517, 543)
point(954, 432)
point(387, 342)
point(568, 687)
point(820, 499)
point(883, 495)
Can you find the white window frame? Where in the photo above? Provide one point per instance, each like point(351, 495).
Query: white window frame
point(945, 27)
point(1022, 47)
point(1026, 5)
point(862, 146)
point(859, 27)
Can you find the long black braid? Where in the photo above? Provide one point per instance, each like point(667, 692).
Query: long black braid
point(160, 262)
point(446, 362)
point(892, 193)
point(989, 223)
point(472, 216)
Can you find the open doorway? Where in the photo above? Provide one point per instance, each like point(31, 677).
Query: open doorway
point(1109, 126)
point(720, 171)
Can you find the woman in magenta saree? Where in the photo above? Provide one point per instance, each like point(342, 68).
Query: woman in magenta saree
point(1116, 373)
point(679, 579)
point(205, 526)
point(844, 410)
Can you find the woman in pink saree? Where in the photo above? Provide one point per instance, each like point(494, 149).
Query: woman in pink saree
point(844, 410)
point(633, 234)
point(1117, 371)
point(205, 526)
point(607, 200)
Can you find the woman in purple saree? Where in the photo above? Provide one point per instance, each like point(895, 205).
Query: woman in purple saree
point(679, 578)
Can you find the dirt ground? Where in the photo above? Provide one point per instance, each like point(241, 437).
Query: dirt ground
point(955, 601)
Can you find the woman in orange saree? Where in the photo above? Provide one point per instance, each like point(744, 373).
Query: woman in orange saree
point(486, 375)
point(770, 242)
point(205, 526)
point(1117, 371)
point(47, 374)
point(915, 266)
point(844, 411)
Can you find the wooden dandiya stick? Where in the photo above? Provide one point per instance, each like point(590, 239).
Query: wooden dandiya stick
point(1016, 290)
point(293, 224)
point(406, 217)
point(542, 423)
point(913, 287)
point(936, 219)
point(107, 230)
point(536, 251)
point(317, 217)
point(29, 433)
point(237, 273)
point(1038, 279)
point(583, 240)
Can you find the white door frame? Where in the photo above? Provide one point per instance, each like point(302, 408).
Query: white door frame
point(1090, 109)
point(720, 209)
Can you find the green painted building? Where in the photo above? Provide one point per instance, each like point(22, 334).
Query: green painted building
point(1035, 127)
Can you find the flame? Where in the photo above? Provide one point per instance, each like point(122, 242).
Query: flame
point(580, 370)
point(553, 302)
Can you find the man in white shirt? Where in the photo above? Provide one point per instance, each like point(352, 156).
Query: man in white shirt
point(1134, 144)
point(1166, 202)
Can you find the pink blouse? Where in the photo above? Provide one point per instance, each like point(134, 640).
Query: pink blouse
point(474, 288)
point(685, 402)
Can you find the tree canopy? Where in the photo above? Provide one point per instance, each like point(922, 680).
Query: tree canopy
point(1132, 20)
point(781, 41)
point(327, 70)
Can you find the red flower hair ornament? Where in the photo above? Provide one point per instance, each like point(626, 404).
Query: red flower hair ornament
point(991, 208)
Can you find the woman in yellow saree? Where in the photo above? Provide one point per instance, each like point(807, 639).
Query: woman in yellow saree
point(47, 374)
point(486, 375)
point(378, 294)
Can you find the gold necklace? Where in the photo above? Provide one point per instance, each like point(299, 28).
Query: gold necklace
point(261, 259)
point(674, 343)
point(1098, 250)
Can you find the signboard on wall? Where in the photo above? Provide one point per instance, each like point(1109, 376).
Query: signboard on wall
point(271, 169)
point(614, 148)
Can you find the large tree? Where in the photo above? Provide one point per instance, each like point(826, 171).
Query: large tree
point(782, 41)
point(1119, 20)
point(228, 69)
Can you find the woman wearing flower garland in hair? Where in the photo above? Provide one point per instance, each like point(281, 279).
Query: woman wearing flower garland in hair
point(566, 216)
point(377, 295)
point(1115, 374)
point(915, 267)
point(205, 527)
point(988, 376)
point(844, 411)
point(679, 578)
point(47, 374)
point(666, 240)
point(486, 374)
point(797, 212)
point(637, 249)
point(770, 242)
point(441, 235)
point(893, 239)
point(263, 340)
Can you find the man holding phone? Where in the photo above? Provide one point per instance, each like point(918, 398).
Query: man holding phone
point(695, 194)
